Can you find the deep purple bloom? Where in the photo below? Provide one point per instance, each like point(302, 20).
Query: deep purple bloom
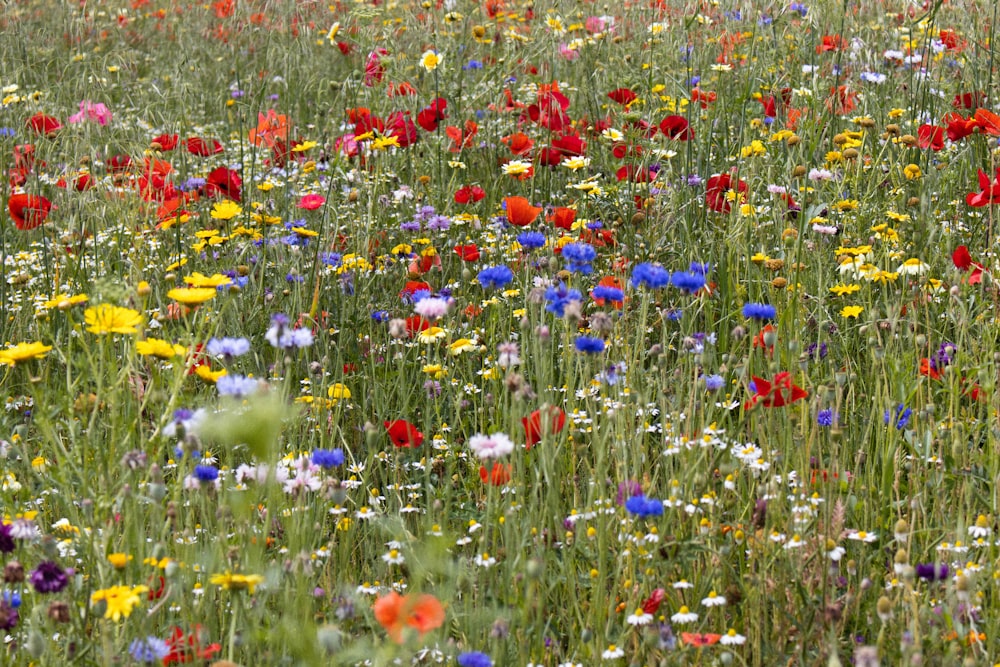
point(6, 539)
point(48, 577)
point(932, 571)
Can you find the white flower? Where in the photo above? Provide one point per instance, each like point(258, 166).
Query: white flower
point(684, 615)
point(491, 446)
point(640, 617)
point(714, 600)
point(613, 653)
point(732, 638)
point(862, 536)
point(484, 560)
point(683, 584)
point(393, 557)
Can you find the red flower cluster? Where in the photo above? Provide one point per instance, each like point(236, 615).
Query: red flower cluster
point(777, 393)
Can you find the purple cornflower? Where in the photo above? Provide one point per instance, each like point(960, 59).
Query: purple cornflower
point(48, 577)
point(236, 386)
point(228, 347)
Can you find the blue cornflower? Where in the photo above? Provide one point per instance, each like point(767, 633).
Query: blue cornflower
point(607, 293)
point(642, 507)
point(799, 7)
point(149, 650)
point(495, 277)
point(901, 417)
point(650, 275)
point(589, 345)
point(331, 259)
point(579, 256)
point(236, 386)
point(381, 316)
point(472, 64)
point(560, 297)
point(328, 458)
point(531, 240)
point(714, 382)
point(474, 659)
point(206, 473)
point(687, 281)
point(825, 417)
point(759, 311)
point(228, 347)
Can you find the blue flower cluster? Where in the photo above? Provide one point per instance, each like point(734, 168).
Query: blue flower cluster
point(607, 293)
point(650, 275)
point(328, 458)
point(589, 345)
point(559, 297)
point(495, 277)
point(759, 311)
point(579, 256)
point(642, 507)
point(531, 240)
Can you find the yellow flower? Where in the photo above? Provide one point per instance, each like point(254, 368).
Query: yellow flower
point(119, 560)
point(192, 296)
point(338, 391)
point(851, 311)
point(431, 334)
point(430, 60)
point(383, 143)
point(436, 371)
point(461, 345)
point(841, 290)
point(516, 167)
point(62, 301)
point(755, 149)
point(154, 347)
point(237, 582)
point(23, 352)
point(208, 375)
point(226, 210)
point(119, 600)
point(913, 267)
point(912, 172)
point(107, 318)
point(197, 279)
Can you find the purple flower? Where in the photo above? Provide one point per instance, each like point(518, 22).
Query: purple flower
point(48, 577)
point(6, 539)
point(932, 572)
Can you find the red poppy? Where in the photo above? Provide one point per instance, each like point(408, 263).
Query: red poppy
point(676, 127)
point(971, 389)
point(959, 127)
point(702, 97)
point(555, 422)
point(520, 212)
point(414, 286)
point(717, 188)
point(469, 194)
point(190, 647)
point(415, 324)
point(153, 183)
point(989, 192)
point(497, 475)
point(429, 117)
point(563, 218)
point(652, 604)
point(963, 261)
point(930, 136)
point(831, 43)
point(203, 147)
point(570, 144)
point(468, 252)
point(549, 156)
point(118, 164)
point(24, 156)
point(461, 138)
point(225, 182)
point(969, 100)
point(988, 122)
point(397, 612)
point(951, 40)
point(776, 394)
point(700, 638)
point(311, 202)
point(519, 143)
point(842, 100)
point(166, 142)
point(928, 370)
point(623, 96)
point(636, 173)
point(403, 433)
point(43, 124)
point(401, 89)
point(28, 211)
point(399, 124)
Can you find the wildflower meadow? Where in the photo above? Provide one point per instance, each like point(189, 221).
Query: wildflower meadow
point(501, 332)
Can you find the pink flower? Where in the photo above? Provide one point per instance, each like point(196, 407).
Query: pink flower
point(568, 53)
point(89, 111)
point(312, 202)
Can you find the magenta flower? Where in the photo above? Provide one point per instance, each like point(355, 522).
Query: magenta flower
point(97, 113)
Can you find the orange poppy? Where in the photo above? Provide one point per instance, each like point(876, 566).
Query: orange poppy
point(563, 218)
point(520, 212)
point(988, 121)
point(270, 128)
point(397, 612)
point(700, 638)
